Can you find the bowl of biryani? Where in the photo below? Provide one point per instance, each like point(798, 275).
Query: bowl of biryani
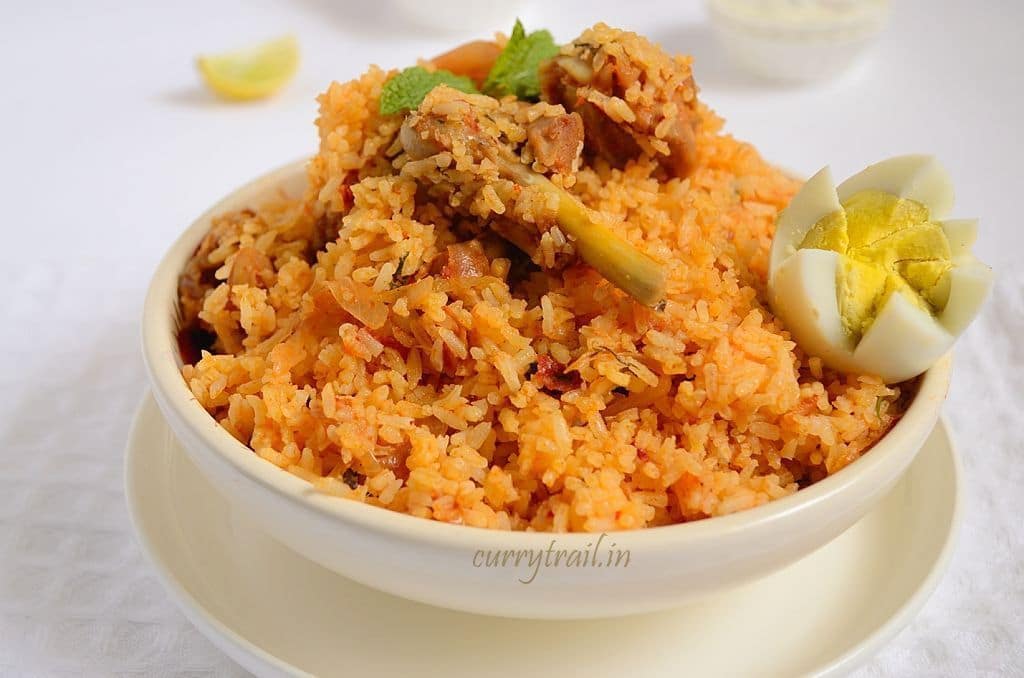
point(511, 352)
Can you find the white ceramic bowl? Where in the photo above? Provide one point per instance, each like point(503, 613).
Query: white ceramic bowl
point(446, 565)
point(797, 41)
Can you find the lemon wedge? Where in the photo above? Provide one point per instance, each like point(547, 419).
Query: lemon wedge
point(253, 73)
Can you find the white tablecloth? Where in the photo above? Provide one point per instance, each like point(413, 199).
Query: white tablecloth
point(109, 148)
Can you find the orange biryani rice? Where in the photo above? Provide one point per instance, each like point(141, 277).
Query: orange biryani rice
point(376, 339)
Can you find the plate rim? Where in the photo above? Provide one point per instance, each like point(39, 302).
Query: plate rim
point(240, 649)
point(259, 661)
point(905, 613)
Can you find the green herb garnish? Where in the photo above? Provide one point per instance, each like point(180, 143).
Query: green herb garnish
point(406, 90)
point(516, 70)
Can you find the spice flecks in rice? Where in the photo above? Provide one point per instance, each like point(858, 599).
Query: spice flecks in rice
point(356, 363)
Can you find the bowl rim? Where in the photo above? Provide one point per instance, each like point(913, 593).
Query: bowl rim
point(163, 364)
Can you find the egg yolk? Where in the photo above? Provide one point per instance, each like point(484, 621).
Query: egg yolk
point(889, 247)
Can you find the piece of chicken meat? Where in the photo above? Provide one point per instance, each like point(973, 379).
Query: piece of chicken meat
point(633, 98)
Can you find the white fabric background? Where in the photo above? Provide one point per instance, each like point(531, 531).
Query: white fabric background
point(109, 149)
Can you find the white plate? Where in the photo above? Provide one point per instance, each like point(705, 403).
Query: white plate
point(276, 613)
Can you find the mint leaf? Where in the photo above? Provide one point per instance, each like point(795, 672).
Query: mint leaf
point(406, 90)
point(515, 71)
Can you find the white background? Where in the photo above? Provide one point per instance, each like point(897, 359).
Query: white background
point(110, 148)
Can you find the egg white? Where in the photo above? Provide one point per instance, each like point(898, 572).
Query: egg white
point(902, 342)
point(815, 200)
point(803, 295)
point(917, 177)
point(970, 283)
point(961, 234)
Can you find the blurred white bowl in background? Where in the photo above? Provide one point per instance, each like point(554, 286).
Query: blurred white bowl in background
point(797, 40)
point(462, 16)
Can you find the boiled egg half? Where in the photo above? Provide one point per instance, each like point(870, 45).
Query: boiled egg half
point(870, 276)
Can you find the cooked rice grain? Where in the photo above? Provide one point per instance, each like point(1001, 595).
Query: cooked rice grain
point(368, 367)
